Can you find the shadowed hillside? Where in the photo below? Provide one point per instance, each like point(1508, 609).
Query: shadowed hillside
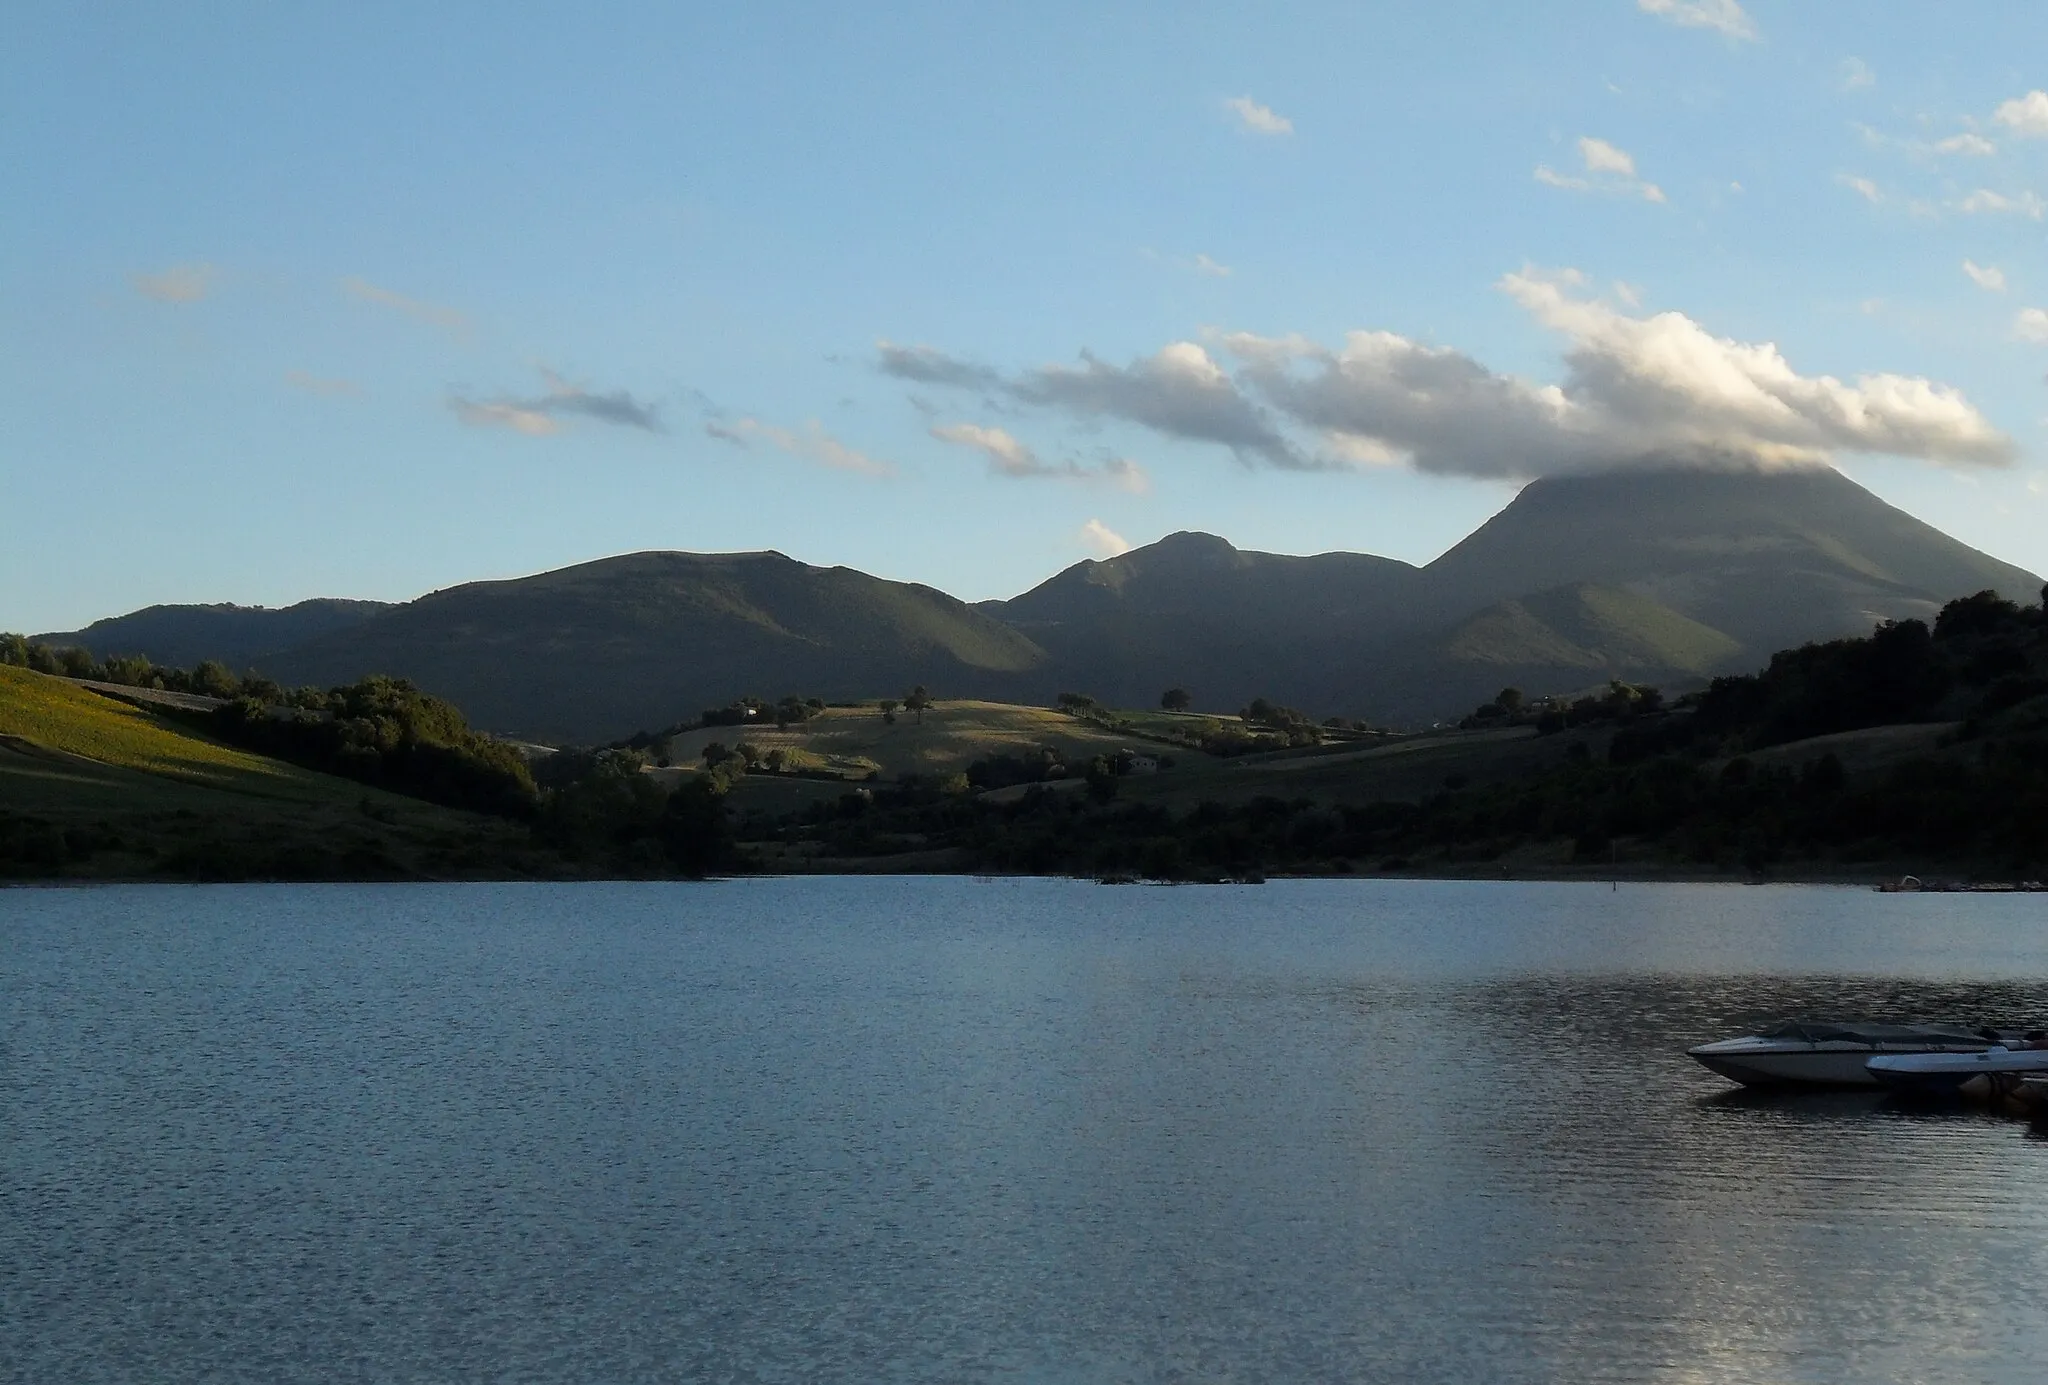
point(182, 636)
point(1192, 610)
point(1659, 576)
point(604, 648)
point(1666, 577)
point(1770, 559)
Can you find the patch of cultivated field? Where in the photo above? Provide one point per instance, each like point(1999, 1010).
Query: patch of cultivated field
point(60, 716)
point(854, 742)
point(120, 793)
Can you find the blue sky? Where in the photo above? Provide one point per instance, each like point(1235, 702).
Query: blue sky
point(371, 300)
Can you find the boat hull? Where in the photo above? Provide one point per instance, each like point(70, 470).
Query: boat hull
point(1956, 1075)
point(1821, 1053)
point(1806, 1068)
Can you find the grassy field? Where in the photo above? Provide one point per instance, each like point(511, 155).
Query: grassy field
point(94, 788)
point(57, 715)
point(851, 743)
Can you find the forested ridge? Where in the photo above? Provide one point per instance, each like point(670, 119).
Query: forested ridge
point(1695, 784)
point(1758, 774)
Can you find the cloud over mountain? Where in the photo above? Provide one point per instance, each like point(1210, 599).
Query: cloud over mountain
point(1637, 390)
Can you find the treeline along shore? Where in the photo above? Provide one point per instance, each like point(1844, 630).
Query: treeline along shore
point(1922, 746)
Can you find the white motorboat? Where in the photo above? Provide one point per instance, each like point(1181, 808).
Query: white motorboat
point(1961, 1074)
point(1826, 1054)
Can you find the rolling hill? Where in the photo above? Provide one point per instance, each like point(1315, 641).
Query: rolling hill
point(181, 636)
point(91, 787)
point(1662, 576)
point(1652, 576)
point(604, 648)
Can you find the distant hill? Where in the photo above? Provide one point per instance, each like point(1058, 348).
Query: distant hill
point(599, 650)
point(1668, 577)
point(181, 636)
point(1192, 610)
point(1768, 558)
point(1652, 576)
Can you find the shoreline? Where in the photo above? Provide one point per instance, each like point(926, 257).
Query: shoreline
point(1872, 881)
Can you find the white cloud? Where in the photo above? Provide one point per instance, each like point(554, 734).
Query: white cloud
point(485, 414)
point(1601, 157)
point(1608, 169)
point(812, 443)
point(1656, 389)
point(1101, 540)
point(1856, 75)
point(1009, 457)
point(1637, 390)
point(1179, 391)
point(1263, 120)
point(1966, 143)
point(432, 314)
point(1204, 265)
point(2025, 115)
point(929, 366)
point(2031, 324)
point(1985, 276)
point(185, 283)
point(562, 398)
point(1723, 16)
point(1863, 187)
point(1985, 201)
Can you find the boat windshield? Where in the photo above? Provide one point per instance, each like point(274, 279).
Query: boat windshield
point(1827, 1031)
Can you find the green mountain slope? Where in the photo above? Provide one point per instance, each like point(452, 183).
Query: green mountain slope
point(181, 636)
point(602, 649)
point(91, 787)
point(1664, 576)
point(1769, 558)
point(1587, 627)
point(1193, 611)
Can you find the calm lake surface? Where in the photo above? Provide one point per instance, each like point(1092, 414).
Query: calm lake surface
point(941, 1129)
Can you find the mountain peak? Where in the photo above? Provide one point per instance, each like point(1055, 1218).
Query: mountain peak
point(1189, 541)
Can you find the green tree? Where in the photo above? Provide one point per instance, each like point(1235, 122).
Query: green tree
point(1509, 700)
point(13, 650)
point(1176, 700)
point(887, 707)
point(917, 700)
point(212, 678)
point(131, 670)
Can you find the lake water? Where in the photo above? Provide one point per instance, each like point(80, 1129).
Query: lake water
point(1021, 1130)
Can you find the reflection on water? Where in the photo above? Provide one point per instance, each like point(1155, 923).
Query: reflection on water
point(941, 1130)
